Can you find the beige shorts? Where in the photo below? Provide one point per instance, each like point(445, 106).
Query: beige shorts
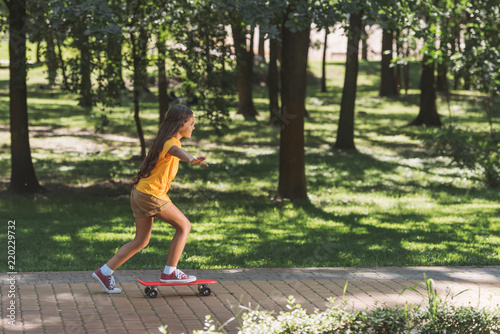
point(144, 205)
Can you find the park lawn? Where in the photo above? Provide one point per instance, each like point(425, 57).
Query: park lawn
point(391, 203)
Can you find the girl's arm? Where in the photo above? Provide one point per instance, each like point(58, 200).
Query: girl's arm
point(184, 156)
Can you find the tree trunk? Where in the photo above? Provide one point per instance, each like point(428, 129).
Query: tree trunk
point(364, 44)
point(139, 48)
point(454, 49)
point(406, 77)
point(441, 82)
point(37, 52)
point(244, 68)
point(398, 66)
point(292, 178)
point(467, 49)
point(63, 65)
point(323, 65)
point(163, 99)
point(406, 69)
point(114, 70)
point(262, 52)
point(345, 132)
point(442, 68)
point(23, 178)
point(398, 78)
point(85, 72)
point(428, 112)
point(51, 58)
point(223, 56)
point(388, 86)
point(273, 84)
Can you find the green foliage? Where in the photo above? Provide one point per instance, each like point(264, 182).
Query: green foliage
point(467, 150)
point(83, 25)
point(202, 60)
point(4, 18)
point(335, 319)
point(443, 317)
point(461, 320)
point(481, 56)
point(268, 15)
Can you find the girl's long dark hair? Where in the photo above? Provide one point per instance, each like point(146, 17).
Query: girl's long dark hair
point(175, 119)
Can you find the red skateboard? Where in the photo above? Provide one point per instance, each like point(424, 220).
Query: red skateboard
point(152, 291)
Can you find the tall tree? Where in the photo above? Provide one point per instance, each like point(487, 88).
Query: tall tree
point(161, 26)
point(42, 30)
point(323, 63)
point(345, 132)
point(296, 18)
point(364, 43)
point(23, 178)
point(161, 63)
point(51, 57)
point(244, 69)
point(262, 50)
point(139, 43)
point(273, 82)
point(375, 12)
point(295, 45)
point(81, 34)
point(138, 28)
point(114, 69)
point(428, 114)
point(388, 86)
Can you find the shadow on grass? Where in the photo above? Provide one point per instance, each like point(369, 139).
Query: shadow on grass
point(81, 228)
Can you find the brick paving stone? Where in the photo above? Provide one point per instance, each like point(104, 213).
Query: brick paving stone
point(254, 294)
point(285, 287)
point(355, 295)
point(72, 302)
point(316, 300)
point(55, 329)
point(259, 294)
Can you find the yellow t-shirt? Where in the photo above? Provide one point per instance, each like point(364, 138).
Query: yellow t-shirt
point(158, 183)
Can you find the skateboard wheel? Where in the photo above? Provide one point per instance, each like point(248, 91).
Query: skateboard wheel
point(147, 289)
point(152, 293)
point(201, 287)
point(205, 291)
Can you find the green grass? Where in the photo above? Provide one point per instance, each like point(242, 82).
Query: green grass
point(391, 203)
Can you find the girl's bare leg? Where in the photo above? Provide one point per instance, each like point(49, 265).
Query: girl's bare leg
point(143, 228)
point(182, 225)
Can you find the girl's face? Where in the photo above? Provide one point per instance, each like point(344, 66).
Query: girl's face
point(187, 128)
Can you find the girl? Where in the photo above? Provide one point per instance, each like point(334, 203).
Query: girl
point(149, 199)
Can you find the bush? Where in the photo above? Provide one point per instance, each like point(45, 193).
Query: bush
point(468, 151)
point(461, 320)
point(439, 317)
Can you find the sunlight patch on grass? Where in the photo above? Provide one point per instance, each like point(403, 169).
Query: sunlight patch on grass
point(56, 103)
point(64, 239)
point(64, 257)
point(107, 236)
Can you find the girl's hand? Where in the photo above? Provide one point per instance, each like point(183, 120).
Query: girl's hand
point(198, 161)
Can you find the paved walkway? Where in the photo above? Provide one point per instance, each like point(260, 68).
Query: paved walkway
point(72, 302)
